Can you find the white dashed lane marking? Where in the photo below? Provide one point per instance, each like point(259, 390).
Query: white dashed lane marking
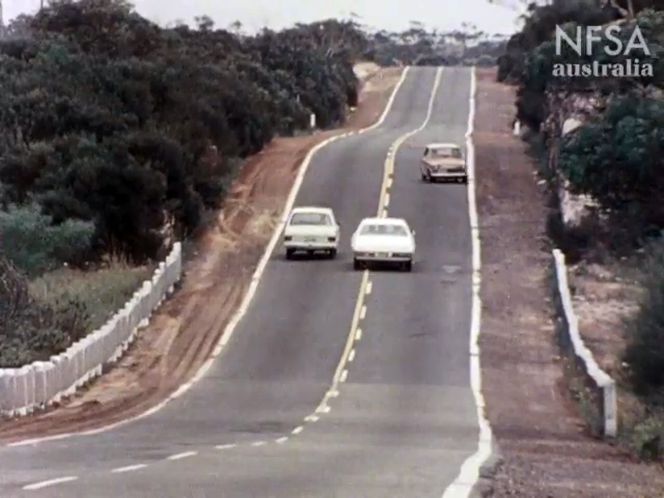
point(50, 482)
point(129, 468)
point(225, 446)
point(180, 456)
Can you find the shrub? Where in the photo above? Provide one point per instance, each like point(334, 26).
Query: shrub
point(30, 240)
point(648, 438)
point(30, 331)
point(645, 353)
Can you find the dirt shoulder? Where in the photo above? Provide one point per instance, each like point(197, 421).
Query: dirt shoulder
point(543, 440)
point(185, 330)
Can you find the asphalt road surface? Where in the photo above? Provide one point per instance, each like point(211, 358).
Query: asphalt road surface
point(278, 415)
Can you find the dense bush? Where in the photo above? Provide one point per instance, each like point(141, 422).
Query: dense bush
point(107, 118)
point(645, 354)
point(620, 158)
point(34, 244)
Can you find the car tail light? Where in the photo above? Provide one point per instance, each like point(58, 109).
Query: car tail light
point(331, 239)
point(288, 238)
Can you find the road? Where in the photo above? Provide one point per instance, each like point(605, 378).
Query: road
point(278, 414)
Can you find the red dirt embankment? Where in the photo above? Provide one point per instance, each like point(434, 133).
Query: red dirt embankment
point(185, 330)
point(546, 449)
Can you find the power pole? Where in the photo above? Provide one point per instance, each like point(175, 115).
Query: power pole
point(2, 20)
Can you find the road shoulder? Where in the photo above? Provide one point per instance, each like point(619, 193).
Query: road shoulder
point(545, 446)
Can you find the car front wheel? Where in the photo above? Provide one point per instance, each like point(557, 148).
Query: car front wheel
point(407, 266)
point(357, 265)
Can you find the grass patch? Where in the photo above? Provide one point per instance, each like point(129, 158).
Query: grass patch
point(101, 292)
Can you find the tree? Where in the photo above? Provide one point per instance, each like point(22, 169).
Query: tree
point(204, 23)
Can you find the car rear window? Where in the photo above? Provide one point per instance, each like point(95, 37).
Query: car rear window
point(310, 219)
point(383, 230)
point(447, 152)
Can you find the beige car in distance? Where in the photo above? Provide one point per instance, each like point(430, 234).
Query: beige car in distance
point(443, 162)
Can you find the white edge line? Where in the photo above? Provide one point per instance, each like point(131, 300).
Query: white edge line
point(469, 473)
point(50, 482)
point(129, 468)
point(239, 314)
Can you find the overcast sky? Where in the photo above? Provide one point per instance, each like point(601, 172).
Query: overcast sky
point(276, 14)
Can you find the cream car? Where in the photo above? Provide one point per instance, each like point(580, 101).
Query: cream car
point(443, 161)
point(386, 240)
point(311, 229)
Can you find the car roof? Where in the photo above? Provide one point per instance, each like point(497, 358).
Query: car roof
point(311, 209)
point(383, 221)
point(443, 145)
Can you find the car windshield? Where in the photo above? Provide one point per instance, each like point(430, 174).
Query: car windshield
point(375, 229)
point(310, 219)
point(446, 152)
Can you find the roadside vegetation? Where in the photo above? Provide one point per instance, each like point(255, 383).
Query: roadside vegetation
point(612, 161)
point(117, 136)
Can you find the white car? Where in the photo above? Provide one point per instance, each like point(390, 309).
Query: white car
point(388, 240)
point(311, 229)
point(443, 161)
